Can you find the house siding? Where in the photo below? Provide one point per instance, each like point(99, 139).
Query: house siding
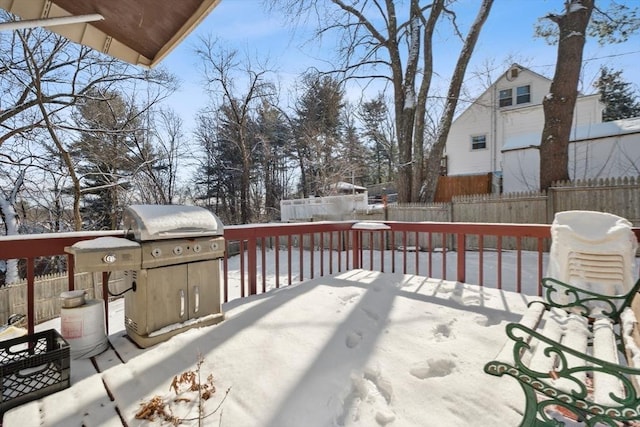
point(483, 117)
point(613, 156)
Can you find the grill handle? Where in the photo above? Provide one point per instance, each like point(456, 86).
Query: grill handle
point(182, 303)
point(197, 298)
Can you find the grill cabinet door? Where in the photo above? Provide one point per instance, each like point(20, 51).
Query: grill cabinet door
point(204, 288)
point(167, 296)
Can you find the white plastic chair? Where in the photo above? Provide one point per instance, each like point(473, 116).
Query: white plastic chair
point(593, 251)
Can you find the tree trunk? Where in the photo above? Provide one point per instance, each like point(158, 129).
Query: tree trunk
point(427, 71)
point(432, 171)
point(559, 104)
point(10, 217)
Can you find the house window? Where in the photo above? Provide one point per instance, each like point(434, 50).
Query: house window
point(478, 142)
point(506, 97)
point(523, 94)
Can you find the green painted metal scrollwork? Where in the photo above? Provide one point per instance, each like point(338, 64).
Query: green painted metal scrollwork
point(542, 394)
point(584, 302)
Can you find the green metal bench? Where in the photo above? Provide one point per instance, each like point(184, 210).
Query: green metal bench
point(575, 357)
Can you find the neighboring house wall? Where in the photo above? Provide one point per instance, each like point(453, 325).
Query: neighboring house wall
point(603, 150)
point(328, 207)
point(491, 121)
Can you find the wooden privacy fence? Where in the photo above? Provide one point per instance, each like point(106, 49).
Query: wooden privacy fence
point(13, 298)
point(619, 196)
point(452, 186)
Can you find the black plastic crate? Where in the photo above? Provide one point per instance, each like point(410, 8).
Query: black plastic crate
point(33, 366)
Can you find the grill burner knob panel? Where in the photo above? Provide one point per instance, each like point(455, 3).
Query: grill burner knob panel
point(105, 254)
point(109, 258)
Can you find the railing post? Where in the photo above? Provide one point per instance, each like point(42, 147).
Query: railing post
point(71, 274)
point(462, 250)
point(31, 308)
point(355, 248)
point(225, 271)
point(252, 266)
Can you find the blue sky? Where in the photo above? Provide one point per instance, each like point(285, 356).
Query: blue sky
point(507, 36)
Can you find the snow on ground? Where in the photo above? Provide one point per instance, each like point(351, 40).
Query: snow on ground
point(358, 348)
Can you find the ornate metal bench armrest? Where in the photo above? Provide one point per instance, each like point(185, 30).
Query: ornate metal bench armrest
point(581, 301)
point(520, 335)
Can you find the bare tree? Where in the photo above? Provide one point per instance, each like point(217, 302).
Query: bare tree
point(11, 222)
point(377, 44)
point(432, 170)
point(222, 71)
point(43, 76)
point(160, 159)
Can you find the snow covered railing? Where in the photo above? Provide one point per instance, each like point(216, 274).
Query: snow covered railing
point(567, 358)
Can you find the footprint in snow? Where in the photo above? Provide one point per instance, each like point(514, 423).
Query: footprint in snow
point(433, 368)
point(353, 339)
point(371, 314)
point(443, 331)
point(349, 298)
point(370, 395)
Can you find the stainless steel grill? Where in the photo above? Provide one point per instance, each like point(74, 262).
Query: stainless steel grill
point(171, 258)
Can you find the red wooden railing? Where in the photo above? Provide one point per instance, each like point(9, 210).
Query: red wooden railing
point(417, 248)
point(398, 241)
point(33, 246)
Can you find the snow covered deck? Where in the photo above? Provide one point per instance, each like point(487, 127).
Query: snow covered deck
point(358, 348)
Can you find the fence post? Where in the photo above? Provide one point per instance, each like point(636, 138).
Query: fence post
point(551, 204)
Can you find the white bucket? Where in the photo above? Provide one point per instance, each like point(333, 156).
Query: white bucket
point(83, 328)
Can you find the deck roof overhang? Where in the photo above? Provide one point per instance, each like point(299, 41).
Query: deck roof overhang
point(140, 32)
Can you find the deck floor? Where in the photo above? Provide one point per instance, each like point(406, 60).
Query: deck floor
point(305, 355)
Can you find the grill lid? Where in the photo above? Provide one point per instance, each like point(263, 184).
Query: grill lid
point(156, 222)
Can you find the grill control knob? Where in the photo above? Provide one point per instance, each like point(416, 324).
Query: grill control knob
point(156, 252)
point(109, 258)
point(214, 246)
point(197, 248)
point(177, 250)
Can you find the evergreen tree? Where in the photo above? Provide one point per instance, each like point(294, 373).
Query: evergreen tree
point(354, 155)
point(617, 95)
point(317, 132)
point(107, 156)
point(272, 134)
point(219, 176)
point(378, 132)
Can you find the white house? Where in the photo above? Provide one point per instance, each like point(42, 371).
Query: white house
point(511, 107)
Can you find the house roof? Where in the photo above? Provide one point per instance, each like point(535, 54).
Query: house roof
point(141, 32)
point(590, 131)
